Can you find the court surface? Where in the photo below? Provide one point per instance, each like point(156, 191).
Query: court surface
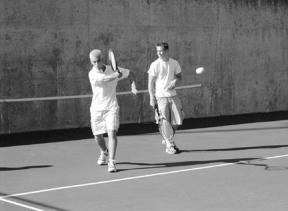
point(237, 167)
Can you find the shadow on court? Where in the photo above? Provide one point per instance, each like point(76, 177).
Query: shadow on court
point(238, 161)
point(235, 148)
point(265, 166)
point(32, 203)
point(23, 167)
point(177, 164)
point(234, 130)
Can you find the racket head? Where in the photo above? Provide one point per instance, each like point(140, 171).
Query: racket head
point(165, 128)
point(112, 60)
point(158, 116)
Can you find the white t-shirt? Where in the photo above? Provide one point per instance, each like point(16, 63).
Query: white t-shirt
point(104, 92)
point(165, 73)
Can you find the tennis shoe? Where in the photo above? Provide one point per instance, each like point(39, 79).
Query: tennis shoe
point(171, 148)
point(102, 160)
point(112, 166)
point(177, 149)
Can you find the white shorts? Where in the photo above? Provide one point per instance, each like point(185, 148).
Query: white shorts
point(102, 121)
point(171, 109)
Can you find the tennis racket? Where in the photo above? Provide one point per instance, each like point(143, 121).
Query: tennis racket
point(165, 128)
point(113, 61)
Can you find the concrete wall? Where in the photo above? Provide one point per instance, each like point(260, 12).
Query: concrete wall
point(44, 46)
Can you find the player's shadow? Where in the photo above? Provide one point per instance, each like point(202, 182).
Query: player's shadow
point(177, 164)
point(23, 167)
point(234, 148)
point(35, 203)
point(265, 166)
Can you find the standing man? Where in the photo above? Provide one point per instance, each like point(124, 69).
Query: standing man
point(164, 73)
point(104, 108)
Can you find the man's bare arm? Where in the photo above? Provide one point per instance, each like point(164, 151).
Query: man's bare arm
point(151, 90)
point(105, 78)
point(132, 79)
point(178, 78)
point(175, 82)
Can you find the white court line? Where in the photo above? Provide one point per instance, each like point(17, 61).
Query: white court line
point(81, 96)
point(20, 205)
point(115, 180)
point(136, 177)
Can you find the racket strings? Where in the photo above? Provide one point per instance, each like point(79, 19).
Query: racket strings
point(112, 60)
point(165, 128)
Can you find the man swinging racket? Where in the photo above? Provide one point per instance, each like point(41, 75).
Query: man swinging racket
point(164, 73)
point(104, 108)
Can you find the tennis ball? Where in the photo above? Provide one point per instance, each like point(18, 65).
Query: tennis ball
point(200, 70)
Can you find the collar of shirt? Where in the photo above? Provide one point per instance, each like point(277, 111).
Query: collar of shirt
point(165, 60)
point(101, 70)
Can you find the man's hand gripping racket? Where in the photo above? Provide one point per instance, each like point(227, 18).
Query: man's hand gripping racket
point(165, 128)
point(115, 68)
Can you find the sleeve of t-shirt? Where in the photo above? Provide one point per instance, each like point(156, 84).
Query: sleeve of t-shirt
point(152, 70)
point(178, 68)
point(91, 78)
point(125, 73)
point(94, 78)
point(97, 79)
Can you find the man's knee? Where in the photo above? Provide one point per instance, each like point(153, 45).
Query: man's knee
point(99, 138)
point(112, 133)
point(175, 127)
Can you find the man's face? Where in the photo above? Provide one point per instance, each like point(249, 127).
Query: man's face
point(96, 61)
point(161, 53)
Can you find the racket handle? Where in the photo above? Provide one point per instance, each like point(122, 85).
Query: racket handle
point(157, 109)
point(120, 73)
point(156, 106)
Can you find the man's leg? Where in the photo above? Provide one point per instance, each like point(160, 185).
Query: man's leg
point(175, 127)
point(112, 144)
point(101, 142)
point(177, 114)
point(112, 124)
point(104, 152)
point(98, 128)
point(164, 106)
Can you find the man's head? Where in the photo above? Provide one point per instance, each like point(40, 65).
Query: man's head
point(162, 50)
point(96, 58)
